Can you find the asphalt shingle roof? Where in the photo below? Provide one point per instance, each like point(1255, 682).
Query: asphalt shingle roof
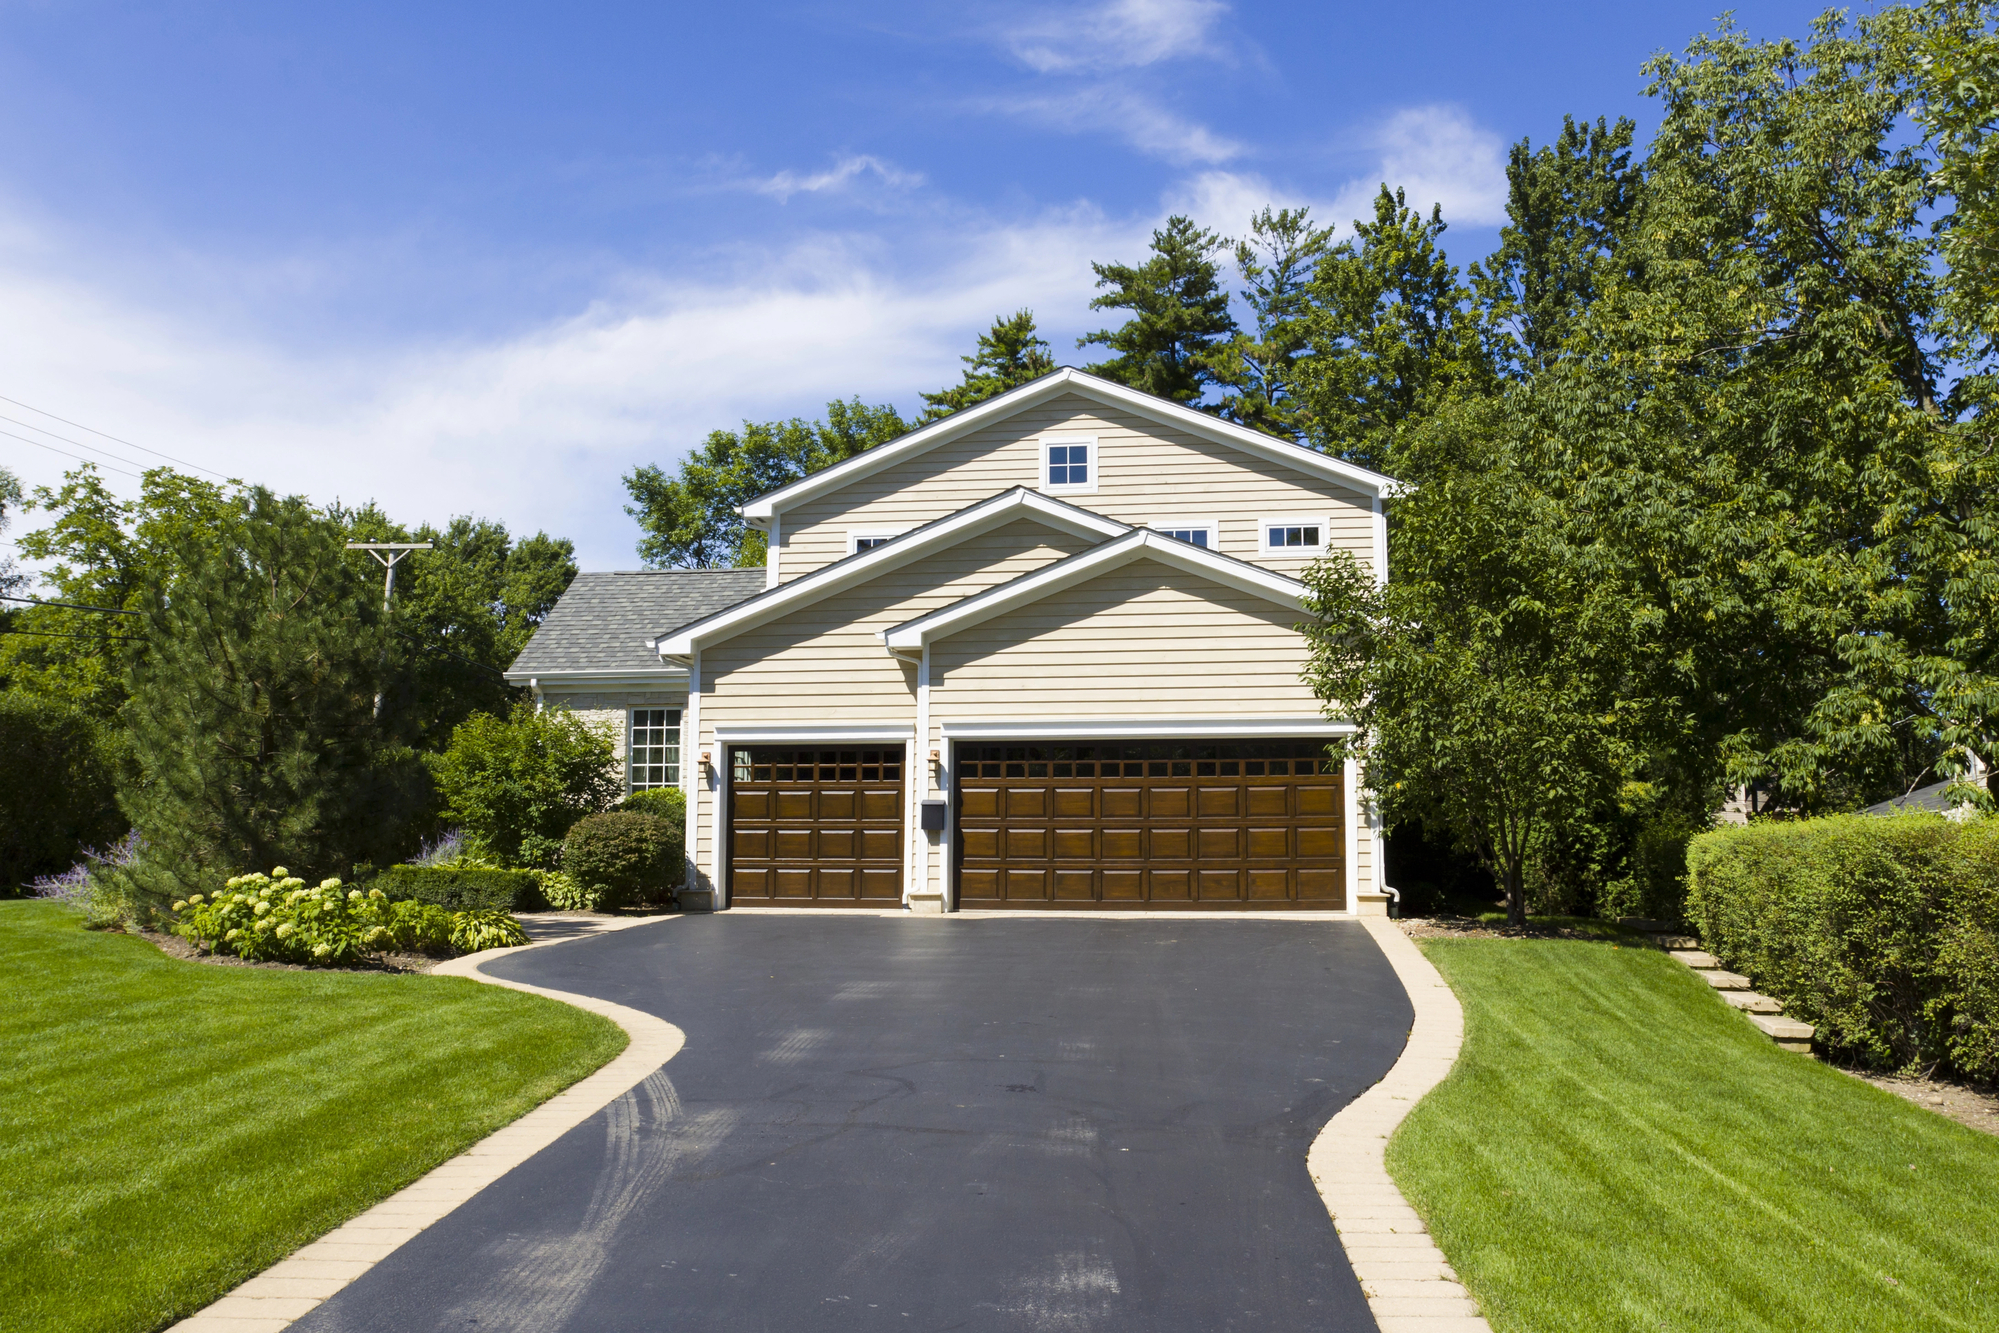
point(603, 621)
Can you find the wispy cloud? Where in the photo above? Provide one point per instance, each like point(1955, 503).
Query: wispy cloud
point(1121, 34)
point(1127, 114)
point(1439, 155)
point(840, 175)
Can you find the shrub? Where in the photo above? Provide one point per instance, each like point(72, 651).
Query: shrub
point(56, 784)
point(1883, 932)
point(463, 888)
point(669, 804)
point(516, 784)
point(473, 931)
point(564, 894)
point(623, 855)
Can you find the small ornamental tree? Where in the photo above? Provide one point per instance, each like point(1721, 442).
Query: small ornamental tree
point(516, 784)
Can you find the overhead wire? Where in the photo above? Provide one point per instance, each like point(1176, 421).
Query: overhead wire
point(105, 434)
point(78, 457)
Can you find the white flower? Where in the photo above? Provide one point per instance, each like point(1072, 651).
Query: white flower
point(279, 872)
point(353, 895)
point(285, 928)
point(332, 882)
point(321, 950)
point(230, 936)
point(195, 899)
point(262, 908)
point(180, 905)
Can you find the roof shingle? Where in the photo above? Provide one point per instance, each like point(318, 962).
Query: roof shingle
point(603, 621)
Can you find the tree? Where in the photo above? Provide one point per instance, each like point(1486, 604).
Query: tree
point(1487, 677)
point(1391, 330)
point(517, 784)
point(1277, 262)
point(251, 717)
point(690, 521)
point(1011, 355)
point(1567, 207)
point(56, 789)
point(10, 503)
point(1180, 314)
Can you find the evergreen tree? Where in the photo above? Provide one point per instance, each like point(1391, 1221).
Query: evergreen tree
point(1392, 332)
point(251, 718)
point(1011, 355)
point(690, 521)
point(1277, 261)
point(1567, 207)
point(1180, 314)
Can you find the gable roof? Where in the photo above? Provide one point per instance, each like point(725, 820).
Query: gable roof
point(762, 509)
point(1008, 505)
point(601, 621)
point(1137, 544)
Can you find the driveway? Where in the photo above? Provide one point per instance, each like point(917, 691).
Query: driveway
point(926, 1123)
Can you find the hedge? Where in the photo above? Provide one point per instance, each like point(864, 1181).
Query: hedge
point(56, 784)
point(462, 888)
point(1882, 932)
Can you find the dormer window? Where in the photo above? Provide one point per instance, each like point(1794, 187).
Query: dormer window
point(1293, 536)
point(1069, 464)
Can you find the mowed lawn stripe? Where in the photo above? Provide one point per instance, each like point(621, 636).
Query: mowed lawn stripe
point(168, 1129)
point(1617, 1149)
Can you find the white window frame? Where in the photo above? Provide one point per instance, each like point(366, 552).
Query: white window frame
point(855, 535)
point(1091, 460)
point(1213, 526)
point(1319, 521)
point(673, 767)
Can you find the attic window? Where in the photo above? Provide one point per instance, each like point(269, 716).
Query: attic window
point(1293, 536)
point(1069, 463)
point(866, 539)
point(1203, 532)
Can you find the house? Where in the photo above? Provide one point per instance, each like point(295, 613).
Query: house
point(1041, 653)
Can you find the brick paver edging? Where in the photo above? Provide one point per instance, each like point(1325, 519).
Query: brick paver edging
point(293, 1286)
point(1409, 1286)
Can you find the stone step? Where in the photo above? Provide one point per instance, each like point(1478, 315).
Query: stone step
point(1696, 959)
point(1788, 1033)
point(1750, 1002)
point(1724, 980)
point(1670, 942)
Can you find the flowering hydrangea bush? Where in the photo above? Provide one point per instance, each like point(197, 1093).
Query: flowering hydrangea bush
point(277, 918)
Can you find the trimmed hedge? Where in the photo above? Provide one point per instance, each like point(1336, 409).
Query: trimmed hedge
point(1883, 932)
point(462, 888)
point(623, 856)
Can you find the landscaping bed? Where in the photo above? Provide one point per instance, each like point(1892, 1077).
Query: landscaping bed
point(1616, 1149)
point(167, 1130)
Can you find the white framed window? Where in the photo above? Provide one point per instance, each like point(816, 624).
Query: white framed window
point(1290, 534)
point(1202, 532)
point(1069, 464)
point(866, 539)
point(652, 749)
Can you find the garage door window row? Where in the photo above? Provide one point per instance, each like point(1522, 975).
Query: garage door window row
point(1147, 759)
point(760, 765)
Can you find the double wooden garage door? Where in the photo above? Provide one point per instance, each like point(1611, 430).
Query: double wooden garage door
point(1115, 824)
point(1164, 824)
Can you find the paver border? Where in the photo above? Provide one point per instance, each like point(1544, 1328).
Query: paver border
point(291, 1288)
point(1409, 1286)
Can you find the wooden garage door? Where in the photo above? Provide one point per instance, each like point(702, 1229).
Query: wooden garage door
point(815, 827)
point(1153, 824)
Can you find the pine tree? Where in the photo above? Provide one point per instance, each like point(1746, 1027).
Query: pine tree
point(1276, 261)
point(1180, 314)
point(1011, 355)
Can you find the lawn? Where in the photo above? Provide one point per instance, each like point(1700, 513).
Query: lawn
point(1617, 1149)
point(168, 1129)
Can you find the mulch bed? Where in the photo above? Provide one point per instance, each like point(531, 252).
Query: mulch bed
point(176, 947)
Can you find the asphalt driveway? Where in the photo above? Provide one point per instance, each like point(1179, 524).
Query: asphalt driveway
point(930, 1123)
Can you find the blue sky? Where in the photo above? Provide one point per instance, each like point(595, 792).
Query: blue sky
point(486, 258)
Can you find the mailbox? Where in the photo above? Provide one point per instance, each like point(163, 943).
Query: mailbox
point(933, 816)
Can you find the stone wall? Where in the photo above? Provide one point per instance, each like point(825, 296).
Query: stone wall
point(613, 708)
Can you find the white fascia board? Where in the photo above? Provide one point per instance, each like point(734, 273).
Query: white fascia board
point(858, 569)
point(1138, 544)
point(761, 510)
point(1147, 729)
point(664, 677)
point(803, 735)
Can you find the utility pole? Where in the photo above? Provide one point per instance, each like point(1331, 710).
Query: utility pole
point(395, 553)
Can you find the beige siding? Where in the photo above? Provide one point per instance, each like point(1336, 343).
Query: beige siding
point(825, 664)
point(1146, 473)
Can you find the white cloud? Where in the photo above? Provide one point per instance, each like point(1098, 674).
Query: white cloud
point(1132, 116)
point(1120, 34)
point(842, 173)
point(1439, 155)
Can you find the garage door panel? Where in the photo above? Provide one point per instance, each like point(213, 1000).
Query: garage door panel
point(880, 884)
point(877, 804)
point(838, 882)
point(838, 804)
point(815, 826)
point(751, 804)
point(793, 805)
point(791, 844)
point(751, 844)
point(1166, 823)
point(881, 844)
point(754, 883)
point(793, 883)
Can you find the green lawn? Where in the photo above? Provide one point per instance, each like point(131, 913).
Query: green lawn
point(168, 1129)
point(1617, 1149)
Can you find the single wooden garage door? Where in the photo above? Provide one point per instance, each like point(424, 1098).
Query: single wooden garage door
point(1152, 824)
point(815, 827)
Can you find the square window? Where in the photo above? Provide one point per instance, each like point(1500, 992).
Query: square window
point(1069, 463)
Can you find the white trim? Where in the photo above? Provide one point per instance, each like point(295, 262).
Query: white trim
point(919, 756)
point(881, 536)
point(773, 552)
point(1349, 797)
point(723, 774)
point(1069, 380)
point(1091, 460)
point(853, 570)
point(690, 761)
point(1148, 729)
point(671, 678)
point(1319, 521)
point(1066, 573)
point(1213, 526)
point(780, 735)
point(1380, 543)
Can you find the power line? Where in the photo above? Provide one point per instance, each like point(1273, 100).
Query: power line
point(78, 443)
point(109, 436)
point(67, 454)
